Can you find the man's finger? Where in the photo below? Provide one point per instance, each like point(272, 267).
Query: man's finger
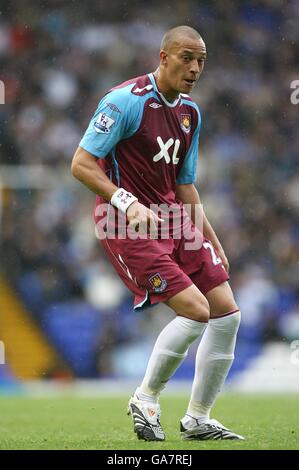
point(156, 217)
point(134, 223)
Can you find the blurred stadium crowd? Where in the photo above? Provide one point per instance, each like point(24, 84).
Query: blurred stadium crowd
point(56, 59)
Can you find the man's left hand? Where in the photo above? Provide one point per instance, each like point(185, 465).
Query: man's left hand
point(221, 254)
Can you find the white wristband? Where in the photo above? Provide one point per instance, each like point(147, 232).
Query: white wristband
point(122, 199)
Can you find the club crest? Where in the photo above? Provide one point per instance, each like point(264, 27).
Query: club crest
point(158, 284)
point(186, 123)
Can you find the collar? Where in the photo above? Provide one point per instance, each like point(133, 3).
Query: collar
point(168, 103)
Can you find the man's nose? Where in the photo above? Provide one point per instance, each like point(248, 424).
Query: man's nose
point(194, 66)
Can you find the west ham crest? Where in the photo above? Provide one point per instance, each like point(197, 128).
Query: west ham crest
point(186, 122)
point(158, 284)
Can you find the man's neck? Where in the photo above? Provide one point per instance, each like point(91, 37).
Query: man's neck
point(169, 94)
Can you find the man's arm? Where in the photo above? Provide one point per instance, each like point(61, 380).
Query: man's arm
point(188, 194)
point(85, 169)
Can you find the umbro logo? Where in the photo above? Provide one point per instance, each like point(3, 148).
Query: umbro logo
point(155, 105)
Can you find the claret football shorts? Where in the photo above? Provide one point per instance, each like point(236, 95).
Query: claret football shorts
point(157, 269)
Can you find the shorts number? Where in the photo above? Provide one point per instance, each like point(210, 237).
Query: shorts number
point(215, 259)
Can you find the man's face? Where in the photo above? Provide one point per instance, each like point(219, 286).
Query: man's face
point(184, 63)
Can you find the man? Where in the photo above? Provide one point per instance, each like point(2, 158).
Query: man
point(141, 149)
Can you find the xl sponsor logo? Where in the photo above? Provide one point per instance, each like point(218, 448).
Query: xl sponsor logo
point(164, 147)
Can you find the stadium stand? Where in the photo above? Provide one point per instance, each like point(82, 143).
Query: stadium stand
point(56, 63)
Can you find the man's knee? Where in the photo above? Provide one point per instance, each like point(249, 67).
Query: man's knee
point(190, 303)
point(235, 320)
point(221, 301)
point(196, 309)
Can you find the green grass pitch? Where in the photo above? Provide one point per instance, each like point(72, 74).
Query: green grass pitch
point(267, 422)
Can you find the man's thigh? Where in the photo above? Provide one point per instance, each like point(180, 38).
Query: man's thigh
point(190, 303)
point(208, 274)
point(203, 266)
point(221, 300)
point(145, 266)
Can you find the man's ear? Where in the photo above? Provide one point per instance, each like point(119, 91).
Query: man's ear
point(163, 57)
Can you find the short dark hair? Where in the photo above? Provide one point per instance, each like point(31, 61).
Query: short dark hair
point(172, 34)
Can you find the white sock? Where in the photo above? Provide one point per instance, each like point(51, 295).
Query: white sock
point(214, 358)
point(169, 351)
point(140, 395)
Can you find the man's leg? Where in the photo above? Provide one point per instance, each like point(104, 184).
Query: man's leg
point(170, 349)
point(213, 360)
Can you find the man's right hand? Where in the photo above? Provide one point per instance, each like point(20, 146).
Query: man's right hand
point(142, 219)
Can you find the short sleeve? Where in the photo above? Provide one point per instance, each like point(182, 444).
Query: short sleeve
point(188, 172)
point(111, 123)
